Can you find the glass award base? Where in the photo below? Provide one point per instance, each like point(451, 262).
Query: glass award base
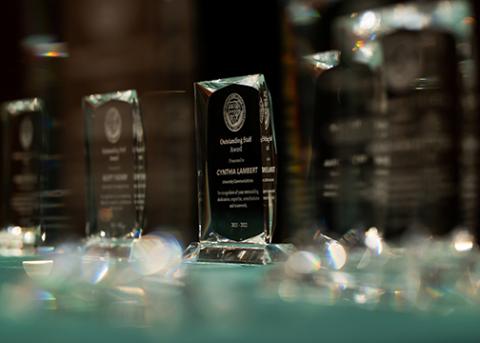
point(20, 241)
point(244, 253)
point(119, 248)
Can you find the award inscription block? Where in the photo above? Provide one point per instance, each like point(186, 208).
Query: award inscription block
point(23, 140)
point(116, 177)
point(237, 173)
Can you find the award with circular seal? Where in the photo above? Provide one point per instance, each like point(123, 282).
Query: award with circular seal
point(116, 175)
point(237, 175)
point(24, 140)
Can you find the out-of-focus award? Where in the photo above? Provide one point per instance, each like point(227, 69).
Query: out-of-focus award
point(237, 173)
point(422, 97)
point(23, 142)
point(116, 178)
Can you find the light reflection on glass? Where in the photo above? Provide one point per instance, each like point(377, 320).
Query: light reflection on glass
point(408, 16)
point(38, 269)
point(29, 238)
point(319, 62)
point(45, 295)
point(368, 22)
point(343, 280)
point(368, 295)
point(463, 241)
point(366, 52)
point(15, 230)
point(94, 269)
point(47, 299)
point(360, 298)
point(336, 255)
point(452, 16)
point(156, 253)
point(373, 240)
point(66, 265)
point(287, 291)
point(302, 14)
point(135, 291)
point(50, 50)
point(302, 263)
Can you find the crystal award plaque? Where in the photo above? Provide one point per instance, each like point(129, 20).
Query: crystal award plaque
point(237, 173)
point(23, 142)
point(115, 153)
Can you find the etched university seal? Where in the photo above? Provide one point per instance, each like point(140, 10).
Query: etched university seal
point(234, 112)
point(26, 133)
point(113, 125)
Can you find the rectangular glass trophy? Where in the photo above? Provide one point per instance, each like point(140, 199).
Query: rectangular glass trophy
point(236, 171)
point(116, 176)
point(23, 143)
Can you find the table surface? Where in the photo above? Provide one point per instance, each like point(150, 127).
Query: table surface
point(220, 303)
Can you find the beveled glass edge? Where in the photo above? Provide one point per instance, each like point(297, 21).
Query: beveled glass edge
point(323, 60)
point(269, 252)
point(215, 237)
point(270, 228)
point(16, 107)
point(96, 100)
point(201, 103)
point(253, 80)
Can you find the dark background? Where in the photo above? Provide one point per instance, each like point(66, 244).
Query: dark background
point(154, 46)
point(163, 45)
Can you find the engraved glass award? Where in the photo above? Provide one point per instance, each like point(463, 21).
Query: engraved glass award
point(392, 131)
point(115, 153)
point(237, 173)
point(23, 142)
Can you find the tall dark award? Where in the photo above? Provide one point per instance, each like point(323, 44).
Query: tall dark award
point(116, 178)
point(345, 110)
point(23, 143)
point(423, 107)
point(236, 170)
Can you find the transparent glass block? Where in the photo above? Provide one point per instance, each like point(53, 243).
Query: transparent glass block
point(23, 179)
point(116, 178)
point(394, 122)
point(236, 169)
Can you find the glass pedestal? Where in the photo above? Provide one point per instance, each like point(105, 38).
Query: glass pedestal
point(244, 253)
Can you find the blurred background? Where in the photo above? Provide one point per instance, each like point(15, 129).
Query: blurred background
point(63, 50)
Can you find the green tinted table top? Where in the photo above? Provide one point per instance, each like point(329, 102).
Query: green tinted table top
point(227, 307)
point(12, 268)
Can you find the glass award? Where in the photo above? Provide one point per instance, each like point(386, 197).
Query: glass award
point(23, 142)
point(345, 111)
point(237, 172)
point(392, 136)
point(116, 177)
point(422, 100)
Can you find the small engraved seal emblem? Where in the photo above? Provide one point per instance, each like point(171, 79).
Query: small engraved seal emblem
point(234, 112)
point(26, 133)
point(113, 125)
